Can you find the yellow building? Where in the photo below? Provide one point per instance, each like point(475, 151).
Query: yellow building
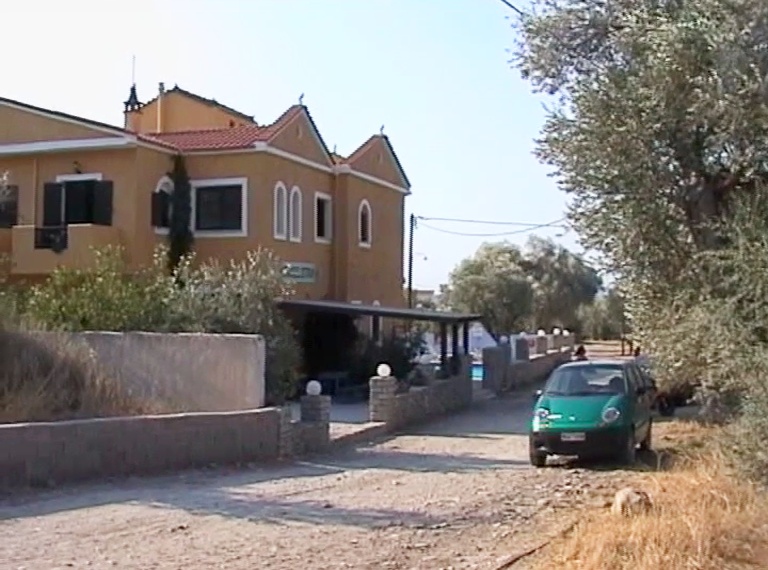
point(77, 184)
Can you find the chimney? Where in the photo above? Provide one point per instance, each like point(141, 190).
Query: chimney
point(160, 93)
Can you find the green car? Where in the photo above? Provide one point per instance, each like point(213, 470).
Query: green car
point(592, 408)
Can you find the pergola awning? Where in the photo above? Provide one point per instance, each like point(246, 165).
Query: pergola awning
point(355, 309)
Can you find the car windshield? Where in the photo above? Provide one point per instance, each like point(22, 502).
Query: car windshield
point(586, 380)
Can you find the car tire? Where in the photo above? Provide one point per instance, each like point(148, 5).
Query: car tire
point(647, 442)
point(628, 453)
point(536, 457)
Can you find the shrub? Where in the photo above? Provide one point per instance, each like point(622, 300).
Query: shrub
point(398, 352)
point(104, 297)
point(238, 297)
point(744, 439)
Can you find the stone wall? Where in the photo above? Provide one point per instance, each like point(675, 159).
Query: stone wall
point(42, 454)
point(420, 403)
point(189, 372)
point(51, 453)
point(501, 374)
point(312, 433)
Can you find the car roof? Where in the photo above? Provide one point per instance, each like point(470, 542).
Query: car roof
point(596, 362)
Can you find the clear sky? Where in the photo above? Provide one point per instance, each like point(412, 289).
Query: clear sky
point(435, 73)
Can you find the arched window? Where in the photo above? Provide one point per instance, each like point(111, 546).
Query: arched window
point(295, 219)
point(162, 203)
point(280, 226)
point(364, 224)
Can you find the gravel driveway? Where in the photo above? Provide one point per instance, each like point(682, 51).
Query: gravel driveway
point(457, 493)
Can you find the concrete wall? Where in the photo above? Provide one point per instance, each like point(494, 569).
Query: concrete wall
point(420, 403)
point(190, 372)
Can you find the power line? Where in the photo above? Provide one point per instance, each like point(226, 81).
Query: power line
point(497, 234)
point(490, 222)
point(512, 7)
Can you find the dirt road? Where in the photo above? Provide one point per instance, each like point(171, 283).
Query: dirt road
point(456, 494)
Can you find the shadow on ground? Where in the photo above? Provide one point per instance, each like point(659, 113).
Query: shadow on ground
point(222, 490)
point(188, 490)
point(487, 419)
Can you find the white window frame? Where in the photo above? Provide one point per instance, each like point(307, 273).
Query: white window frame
point(205, 183)
point(329, 221)
point(280, 191)
point(295, 233)
point(364, 205)
point(62, 178)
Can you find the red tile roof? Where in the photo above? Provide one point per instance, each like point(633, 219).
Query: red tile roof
point(227, 138)
point(211, 139)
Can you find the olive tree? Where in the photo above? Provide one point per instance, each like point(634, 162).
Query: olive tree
point(492, 283)
point(658, 118)
point(562, 282)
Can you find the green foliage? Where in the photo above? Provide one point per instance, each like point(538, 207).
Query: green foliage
point(492, 283)
point(658, 133)
point(660, 119)
point(179, 233)
point(398, 352)
point(239, 297)
point(105, 297)
point(562, 283)
point(234, 298)
point(542, 286)
point(603, 319)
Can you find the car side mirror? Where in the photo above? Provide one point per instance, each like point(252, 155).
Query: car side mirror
point(537, 394)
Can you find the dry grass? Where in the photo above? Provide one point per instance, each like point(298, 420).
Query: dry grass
point(704, 518)
point(47, 377)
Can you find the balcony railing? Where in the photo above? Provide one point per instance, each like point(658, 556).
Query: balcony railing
point(55, 238)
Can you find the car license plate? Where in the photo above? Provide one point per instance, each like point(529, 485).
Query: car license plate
point(573, 436)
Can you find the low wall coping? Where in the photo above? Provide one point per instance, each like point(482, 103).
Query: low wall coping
point(143, 417)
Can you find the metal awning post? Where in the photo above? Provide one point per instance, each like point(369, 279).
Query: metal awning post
point(465, 331)
point(443, 346)
point(455, 348)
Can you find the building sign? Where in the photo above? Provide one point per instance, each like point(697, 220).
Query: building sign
point(300, 272)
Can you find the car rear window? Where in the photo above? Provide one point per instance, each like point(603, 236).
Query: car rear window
point(586, 380)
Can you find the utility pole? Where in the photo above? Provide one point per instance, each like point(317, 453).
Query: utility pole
point(410, 260)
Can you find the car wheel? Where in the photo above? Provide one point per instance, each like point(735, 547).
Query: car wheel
point(536, 457)
point(628, 453)
point(646, 444)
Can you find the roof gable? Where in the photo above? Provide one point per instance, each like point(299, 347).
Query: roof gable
point(22, 122)
point(376, 157)
point(205, 101)
point(295, 132)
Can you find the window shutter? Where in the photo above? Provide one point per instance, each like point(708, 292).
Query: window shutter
point(160, 206)
point(9, 206)
point(102, 203)
point(53, 194)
